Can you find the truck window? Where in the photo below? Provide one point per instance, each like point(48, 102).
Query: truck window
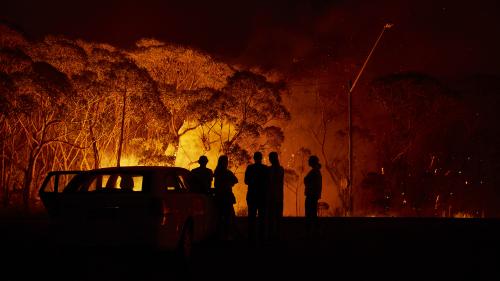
point(183, 182)
point(123, 182)
point(170, 183)
point(57, 182)
point(105, 182)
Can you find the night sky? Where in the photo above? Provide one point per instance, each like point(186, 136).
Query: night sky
point(442, 38)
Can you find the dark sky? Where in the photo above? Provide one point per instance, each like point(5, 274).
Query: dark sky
point(443, 38)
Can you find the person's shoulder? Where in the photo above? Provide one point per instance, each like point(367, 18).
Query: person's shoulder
point(311, 173)
point(230, 173)
point(264, 169)
point(281, 170)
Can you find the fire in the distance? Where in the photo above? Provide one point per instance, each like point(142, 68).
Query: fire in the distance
point(423, 148)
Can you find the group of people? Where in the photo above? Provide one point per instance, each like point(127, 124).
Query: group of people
point(264, 195)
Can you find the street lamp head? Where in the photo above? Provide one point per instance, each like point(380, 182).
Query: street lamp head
point(388, 25)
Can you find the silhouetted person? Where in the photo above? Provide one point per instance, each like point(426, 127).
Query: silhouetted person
point(313, 185)
point(275, 195)
point(224, 180)
point(256, 177)
point(201, 177)
point(126, 183)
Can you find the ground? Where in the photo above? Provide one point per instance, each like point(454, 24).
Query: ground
point(343, 249)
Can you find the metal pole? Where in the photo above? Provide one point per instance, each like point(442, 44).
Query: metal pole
point(349, 110)
point(349, 183)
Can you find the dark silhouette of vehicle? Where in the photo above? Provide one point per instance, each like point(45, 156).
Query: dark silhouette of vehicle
point(133, 205)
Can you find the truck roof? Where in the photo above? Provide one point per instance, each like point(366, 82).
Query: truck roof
point(126, 169)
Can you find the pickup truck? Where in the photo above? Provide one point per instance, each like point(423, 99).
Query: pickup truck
point(129, 205)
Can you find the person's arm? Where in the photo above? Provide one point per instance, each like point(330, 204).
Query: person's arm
point(282, 177)
point(234, 178)
point(306, 184)
point(247, 175)
point(319, 182)
point(211, 177)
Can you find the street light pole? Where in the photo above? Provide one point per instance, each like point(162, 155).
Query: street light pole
point(349, 110)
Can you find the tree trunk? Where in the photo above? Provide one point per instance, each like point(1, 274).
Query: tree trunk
point(94, 146)
point(28, 176)
point(28, 179)
point(176, 144)
point(5, 188)
point(6, 196)
point(120, 143)
point(297, 201)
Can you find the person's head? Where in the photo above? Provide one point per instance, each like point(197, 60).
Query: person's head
point(273, 158)
point(314, 162)
point(126, 183)
point(223, 162)
point(203, 161)
point(257, 157)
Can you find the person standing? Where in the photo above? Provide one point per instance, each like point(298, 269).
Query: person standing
point(256, 177)
point(275, 196)
point(313, 186)
point(202, 176)
point(224, 180)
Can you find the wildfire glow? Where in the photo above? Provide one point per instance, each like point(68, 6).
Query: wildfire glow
point(75, 105)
